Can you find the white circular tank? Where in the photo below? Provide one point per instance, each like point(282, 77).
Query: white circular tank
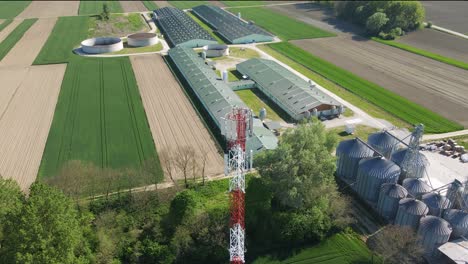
point(142, 39)
point(216, 50)
point(101, 45)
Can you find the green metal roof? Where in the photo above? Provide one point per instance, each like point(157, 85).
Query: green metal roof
point(289, 91)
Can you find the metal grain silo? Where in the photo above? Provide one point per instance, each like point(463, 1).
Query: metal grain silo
point(437, 203)
point(398, 157)
point(416, 187)
point(383, 142)
point(458, 219)
point(410, 211)
point(433, 232)
point(455, 194)
point(372, 173)
point(389, 198)
point(349, 153)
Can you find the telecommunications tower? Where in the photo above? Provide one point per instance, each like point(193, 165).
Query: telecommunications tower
point(238, 128)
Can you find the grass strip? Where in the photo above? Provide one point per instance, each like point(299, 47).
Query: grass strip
point(5, 24)
point(205, 26)
point(425, 53)
point(282, 26)
point(387, 100)
point(67, 34)
point(150, 5)
point(10, 9)
point(188, 4)
point(95, 7)
point(243, 3)
point(9, 42)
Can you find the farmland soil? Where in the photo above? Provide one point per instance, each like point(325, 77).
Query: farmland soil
point(162, 4)
point(432, 84)
point(44, 9)
point(172, 119)
point(8, 29)
point(448, 14)
point(133, 6)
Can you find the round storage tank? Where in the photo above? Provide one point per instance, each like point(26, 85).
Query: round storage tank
point(455, 194)
point(349, 153)
point(389, 198)
point(398, 157)
point(416, 187)
point(436, 203)
point(383, 142)
point(372, 173)
point(433, 232)
point(410, 211)
point(458, 219)
point(142, 39)
point(101, 45)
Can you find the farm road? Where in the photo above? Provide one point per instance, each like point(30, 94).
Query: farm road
point(133, 6)
point(45, 9)
point(173, 120)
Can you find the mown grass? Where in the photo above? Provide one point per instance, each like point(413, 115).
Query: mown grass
point(206, 27)
point(10, 9)
point(387, 100)
point(340, 248)
point(425, 53)
point(130, 50)
point(187, 4)
point(352, 98)
point(231, 75)
point(150, 5)
point(118, 25)
point(99, 119)
point(95, 7)
point(360, 131)
point(282, 26)
point(5, 23)
point(253, 99)
point(9, 42)
point(67, 34)
point(242, 3)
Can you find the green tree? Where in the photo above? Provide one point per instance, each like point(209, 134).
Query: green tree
point(48, 229)
point(376, 22)
point(11, 201)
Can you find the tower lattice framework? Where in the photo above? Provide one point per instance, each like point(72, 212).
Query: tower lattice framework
point(410, 164)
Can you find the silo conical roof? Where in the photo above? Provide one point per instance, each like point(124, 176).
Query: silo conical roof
point(379, 167)
point(413, 206)
point(393, 190)
point(435, 226)
point(382, 141)
point(354, 148)
point(436, 202)
point(416, 187)
point(399, 155)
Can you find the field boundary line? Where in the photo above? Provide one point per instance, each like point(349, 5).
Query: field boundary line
point(103, 116)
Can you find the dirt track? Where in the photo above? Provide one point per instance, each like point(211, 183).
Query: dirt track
point(435, 85)
point(8, 29)
point(171, 116)
point(133, 6)
point(44, 9)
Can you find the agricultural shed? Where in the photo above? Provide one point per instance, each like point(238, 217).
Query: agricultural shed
point(215, 95)
point(230, 27)
point(181, 30)
point(294, 95)
point(456, 250)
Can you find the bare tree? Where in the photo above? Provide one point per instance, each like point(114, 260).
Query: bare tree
point(151, 170)
point(203, 160)
point(397, 245)
point(183, 161)
point(166, 157)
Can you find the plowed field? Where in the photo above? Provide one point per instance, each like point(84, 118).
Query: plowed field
point(44, 9)
point(133, 6)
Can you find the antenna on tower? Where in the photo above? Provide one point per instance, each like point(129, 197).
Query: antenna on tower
point(410, 165)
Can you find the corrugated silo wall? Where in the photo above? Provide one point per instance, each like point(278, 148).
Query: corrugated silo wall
point(433, 235)
point(369, 181)
point(387, 206)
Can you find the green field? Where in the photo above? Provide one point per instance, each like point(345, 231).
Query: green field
point(10, 9)
point(387, 100)
point(129, 49)
point(425, 53)
point(188, 4)
point(9, 42)
point(5, 23)
point(205, 26)
point(338, 249)
point(282, 26)
point(242, 3)
point(118, 25)
point(150, 5)
point(95, 7)
point(66, 35)
point(100, 119)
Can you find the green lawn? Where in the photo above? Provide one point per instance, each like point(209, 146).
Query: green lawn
point(338, 249)
point(10, 9)
point(129, 50)
point(242, 3)
point(66, 35)
point(150, 5)
point(188, 4)
point(9, 42)
point(253, 99)
point(5, 23)
point(205, 26)
point(360, 131)
point(95, 7)
point(424, 53)
point(118, 25)
point(99, 119)
point(389, 101)
point(283, 26)
point(232, 77)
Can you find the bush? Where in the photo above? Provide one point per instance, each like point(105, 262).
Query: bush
point(376, 22)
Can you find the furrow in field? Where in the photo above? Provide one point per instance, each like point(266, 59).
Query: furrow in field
point(133, 6)
point(45, 9)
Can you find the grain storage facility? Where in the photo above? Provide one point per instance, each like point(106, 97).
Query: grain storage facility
point(181, 30)
point(230, 27)
point(291, 93)
point(421, 160)
point(372, 173)
point(458, 219)
point(416, 187)
point(383, 142)
point(349, 153)
point(434, 232)
point(216, 96)
point(410, 211)
point(436, 203)
point(389, 198)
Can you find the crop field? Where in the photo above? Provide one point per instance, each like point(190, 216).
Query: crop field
point(50, 9)
point(5, 23)
point(283, 26)
point(95, 7)
point(388, 100)
point(150, 5)
point(242, 3)
point(338, 249)
point(7, 44)
point(187, 4)
point(9, 28)
point(67, 34)
point(10, 9)
point(133, 6)
point(99, 119)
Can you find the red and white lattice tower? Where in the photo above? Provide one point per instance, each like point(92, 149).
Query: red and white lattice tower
point(238, 127)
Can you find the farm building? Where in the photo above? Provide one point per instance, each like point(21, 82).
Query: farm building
point(215, 95)
point(180, 30)
point(230, 27)
point(294, 95)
